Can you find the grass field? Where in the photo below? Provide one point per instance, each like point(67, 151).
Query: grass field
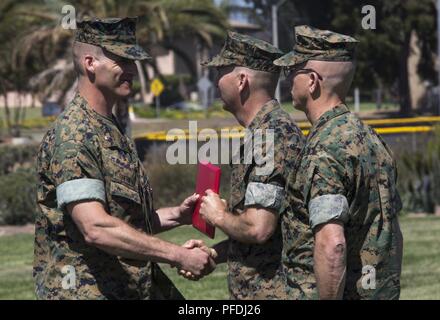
point(420, 278)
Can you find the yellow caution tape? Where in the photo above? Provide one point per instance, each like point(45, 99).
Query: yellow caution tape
point(162, 136)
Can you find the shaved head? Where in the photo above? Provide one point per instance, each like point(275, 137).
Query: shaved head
point(80, 50)
point(337, 76)
point(260, 80)
point(244, 91)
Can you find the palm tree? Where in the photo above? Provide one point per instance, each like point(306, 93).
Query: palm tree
point(45, 45)
point(12, 78)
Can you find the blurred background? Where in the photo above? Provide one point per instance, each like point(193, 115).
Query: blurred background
point(395, 90)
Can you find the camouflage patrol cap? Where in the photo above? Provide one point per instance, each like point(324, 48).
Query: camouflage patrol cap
point(246, 51)
point(316, 44)
point(117, 35)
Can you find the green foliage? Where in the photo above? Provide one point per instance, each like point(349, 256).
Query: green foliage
point(17, 184)
point(171, 93)
point(144, 111)
point(173, 183)
point(419, 177)
point(382, 53)
point(215, 111)
point(17, 197)
point(13, 157)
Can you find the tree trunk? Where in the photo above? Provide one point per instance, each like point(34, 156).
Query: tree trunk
point(33, 100)
point(23, 114)
point(7, 111)
point(17, 111)
point(404, 90)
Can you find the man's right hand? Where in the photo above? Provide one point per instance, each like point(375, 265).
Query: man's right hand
point(211, 253)
point(196, 262)
point(200, 244)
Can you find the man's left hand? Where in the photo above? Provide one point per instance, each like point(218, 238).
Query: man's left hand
point(186, 209)
point(212, 207)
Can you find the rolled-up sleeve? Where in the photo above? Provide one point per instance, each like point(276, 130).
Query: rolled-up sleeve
point(80, 190)
point(266, 195)
point(328, 190)
point(326, 208)
point(76, 173)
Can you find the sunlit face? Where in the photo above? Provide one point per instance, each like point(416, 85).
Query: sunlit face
point(299, 78)
point(227, 84)
point(114, 74)
point(299, 91)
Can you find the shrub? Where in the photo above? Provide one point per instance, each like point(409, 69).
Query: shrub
point(171, 93)
point(13, 157)
point(214, 111)
point(17, 197)
point(173, 183)
point(419, 177)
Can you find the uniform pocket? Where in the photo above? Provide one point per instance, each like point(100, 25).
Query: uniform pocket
point(126, 204)
point(119, 164)
point(119, 190)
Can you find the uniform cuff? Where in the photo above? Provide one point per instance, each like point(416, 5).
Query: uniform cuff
point(80, 190)
point(264, 194)
point(328, 207)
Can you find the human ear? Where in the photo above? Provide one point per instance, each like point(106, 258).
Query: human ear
point(243, 81)
point(89, 63)
point(313, 83)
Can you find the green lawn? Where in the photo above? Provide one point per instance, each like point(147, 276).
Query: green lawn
point(421, 260)
point(420, 278)
point(16, 255)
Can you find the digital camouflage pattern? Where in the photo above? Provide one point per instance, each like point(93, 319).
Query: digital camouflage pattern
point(84, 144)
point(343, 156)
point(113, 34)
point(255, 270)
point(315, 44)
point(246, 51)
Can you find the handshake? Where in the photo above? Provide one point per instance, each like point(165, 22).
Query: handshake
point(198, 262)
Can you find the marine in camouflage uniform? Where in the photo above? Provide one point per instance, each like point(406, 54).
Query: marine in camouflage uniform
point(347, 174)
point(255, 270)
point(85, 156)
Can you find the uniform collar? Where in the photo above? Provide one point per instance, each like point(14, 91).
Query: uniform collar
point(82, 102)
point(106, 125)
point(267, 108)
point(328, 115)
